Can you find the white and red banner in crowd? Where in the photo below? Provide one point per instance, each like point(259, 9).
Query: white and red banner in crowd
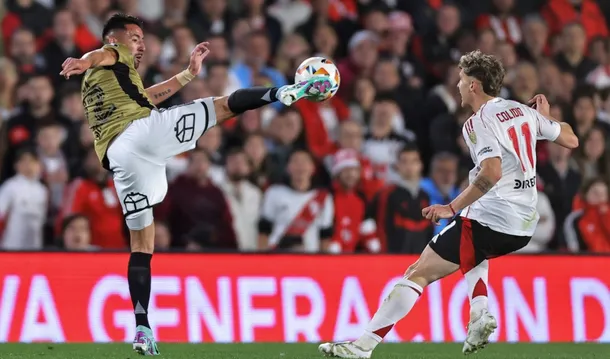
point(67, 297)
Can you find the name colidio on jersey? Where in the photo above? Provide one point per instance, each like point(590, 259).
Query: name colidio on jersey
point(525, 184)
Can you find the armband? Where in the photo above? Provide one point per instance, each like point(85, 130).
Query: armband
point(185, 77)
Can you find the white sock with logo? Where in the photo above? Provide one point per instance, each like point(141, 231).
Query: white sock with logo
point(395, 307)
point(477, 279)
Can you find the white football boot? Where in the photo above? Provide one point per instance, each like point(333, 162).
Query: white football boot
point(347, 350)
point(480, 329)
point(316, 87)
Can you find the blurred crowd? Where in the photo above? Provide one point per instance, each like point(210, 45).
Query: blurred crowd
point(359, 167)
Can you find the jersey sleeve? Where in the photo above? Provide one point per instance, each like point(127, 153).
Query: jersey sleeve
point(546, 129)
point(482, 141)
point(123, 53)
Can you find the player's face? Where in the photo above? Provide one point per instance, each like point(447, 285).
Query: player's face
point(465, 88)
point(133, 37)
point(349, 177)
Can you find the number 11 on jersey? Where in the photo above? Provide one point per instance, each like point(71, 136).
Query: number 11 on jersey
point(526, 134)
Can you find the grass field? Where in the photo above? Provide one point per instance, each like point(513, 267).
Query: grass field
point(301, 351)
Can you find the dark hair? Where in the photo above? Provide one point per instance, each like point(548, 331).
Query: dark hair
point(485, 68)
point(71, 218)
point(26, 151)
point(584, 91)
point(303, 150)
point(407, 148)
point(387, 96)
point(590, 183)
point(219, 63)
point(235, 150)
point(120, 22)
point(69, 89)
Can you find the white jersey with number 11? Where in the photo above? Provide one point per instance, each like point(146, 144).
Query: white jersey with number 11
point(508, 130)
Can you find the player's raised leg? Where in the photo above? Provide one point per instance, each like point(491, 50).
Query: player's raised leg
point(429, 267)
point(482, 324)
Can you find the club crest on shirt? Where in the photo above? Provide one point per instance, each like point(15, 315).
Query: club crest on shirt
point(473, 137)
point(468, 125)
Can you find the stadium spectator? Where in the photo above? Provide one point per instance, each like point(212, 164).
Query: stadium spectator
point(196, 210)
point(399, 48)
point(260, 21)
point(387, 80)
point(592, 156)
point(61, 46)
point(351, 137)
point(211, 143)
point(382, 143)
point(585, 113)
point(362, 99)
point(22, 128)
point(23, 205)
point(559, 13)
point(325, 42)
point(361, 60)
point(256, 152)
point(210, 17)
point(296, 216)
point(76, 233)
point(545, 229)
point(24, 13)
point(438, 49)
point(503, 21)
point(354, 225)
point(8, 84)
point(525, 84)
point(534, 46)
point(287, 134)
point(442, 187)
point(600, 53)
point(163, 237)
point(561, 183)
point(572, 57)
point(244, 199)
point(55, 171)
point(397, 207)
point(93, 196)
point(589, 228)
point(23, 53)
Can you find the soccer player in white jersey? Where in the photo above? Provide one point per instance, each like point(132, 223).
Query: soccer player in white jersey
point(497, 211)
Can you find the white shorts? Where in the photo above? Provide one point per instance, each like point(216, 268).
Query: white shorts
point(137, 156)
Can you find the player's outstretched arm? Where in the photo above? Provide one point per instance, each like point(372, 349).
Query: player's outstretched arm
point(490, 174)
point(565, 136)
point(95, 58)
point(164, 90)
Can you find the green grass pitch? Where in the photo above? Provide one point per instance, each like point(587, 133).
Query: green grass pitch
point(301, 351)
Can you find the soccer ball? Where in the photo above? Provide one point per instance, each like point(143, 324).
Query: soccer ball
point(319, 66)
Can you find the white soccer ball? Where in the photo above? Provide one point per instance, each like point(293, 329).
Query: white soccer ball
point(319, 66)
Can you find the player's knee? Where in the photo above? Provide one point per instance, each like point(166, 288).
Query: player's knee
point(222, 110)
point(139, 220)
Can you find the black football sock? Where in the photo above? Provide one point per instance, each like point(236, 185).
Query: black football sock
point(139, 278)
point(252, 98)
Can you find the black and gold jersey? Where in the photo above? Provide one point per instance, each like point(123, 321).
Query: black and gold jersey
point(113, 97)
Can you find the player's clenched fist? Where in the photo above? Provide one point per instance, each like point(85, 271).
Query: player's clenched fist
point(74, 66)
point(437, 212)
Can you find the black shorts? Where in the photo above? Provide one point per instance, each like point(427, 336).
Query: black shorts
point(467, 243)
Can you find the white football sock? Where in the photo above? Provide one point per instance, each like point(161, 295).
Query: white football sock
point(397, 305)
point(477, 287)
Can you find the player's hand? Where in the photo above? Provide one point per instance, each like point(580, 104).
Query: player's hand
point(541, 104)
point(74, 66)
point(199, 53)
point(437, 212)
